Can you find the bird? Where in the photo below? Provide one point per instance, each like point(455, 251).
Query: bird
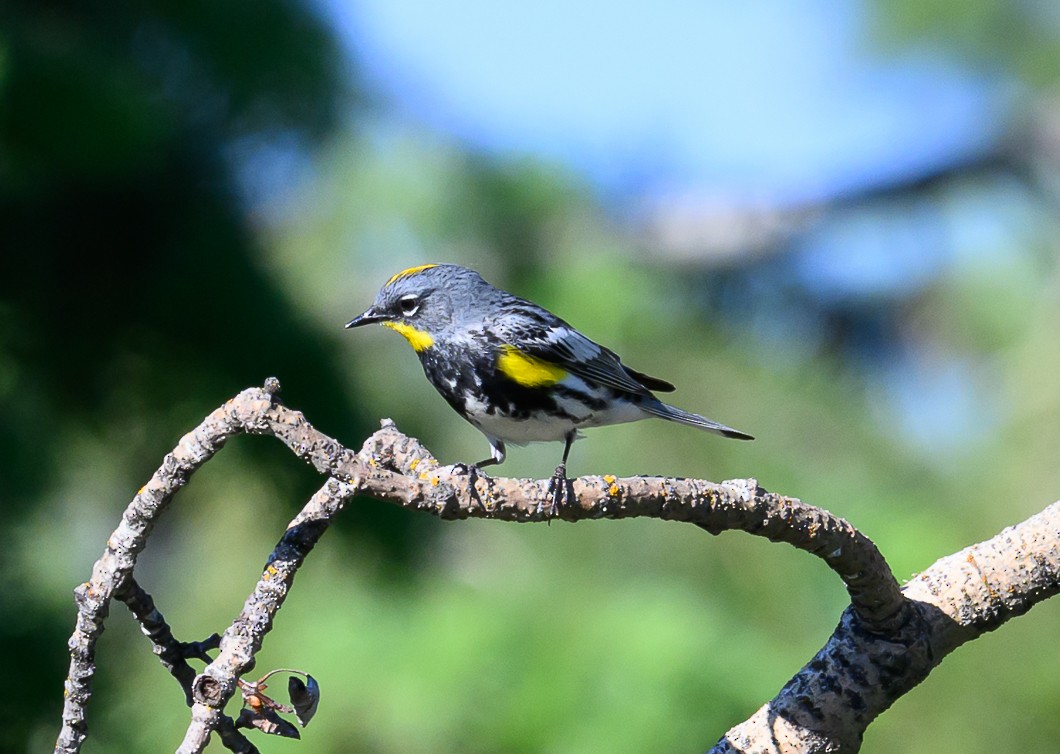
point(513, 369)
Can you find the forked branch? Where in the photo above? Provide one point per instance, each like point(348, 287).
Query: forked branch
point(886, 643)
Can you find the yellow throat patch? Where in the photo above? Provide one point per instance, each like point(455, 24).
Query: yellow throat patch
point(410, 271)
point(420, 340)
point(527, 370)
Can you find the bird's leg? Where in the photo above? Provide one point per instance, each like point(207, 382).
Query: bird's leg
point(558, 484)
point(497, 456)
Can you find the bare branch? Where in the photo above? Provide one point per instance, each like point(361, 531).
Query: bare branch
point(397, 469)
point(217, 684)
point(858, 674)
point(171, 653)
point(886, 642)
point(124, 545)
point(174, 654)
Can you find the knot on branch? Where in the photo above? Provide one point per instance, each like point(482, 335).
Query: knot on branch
point(212, 692)
point(390, 449)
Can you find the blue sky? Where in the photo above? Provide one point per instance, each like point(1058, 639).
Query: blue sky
point(770, 100)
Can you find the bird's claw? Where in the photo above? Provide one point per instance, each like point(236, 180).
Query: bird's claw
point(472, 471)
point(557, 493)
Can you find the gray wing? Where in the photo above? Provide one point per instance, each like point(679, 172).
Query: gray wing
point(547, 337)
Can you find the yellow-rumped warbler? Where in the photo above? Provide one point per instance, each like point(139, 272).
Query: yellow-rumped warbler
point(514, 370)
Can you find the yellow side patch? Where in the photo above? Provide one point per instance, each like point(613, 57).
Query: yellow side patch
point(410, 271)
point(527, 370)
point(418, 339)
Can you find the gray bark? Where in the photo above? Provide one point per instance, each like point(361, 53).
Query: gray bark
point(887, 641)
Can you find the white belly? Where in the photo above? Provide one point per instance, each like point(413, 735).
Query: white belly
point(542, 428)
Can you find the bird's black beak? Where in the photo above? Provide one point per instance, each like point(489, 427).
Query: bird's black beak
point(369, 317)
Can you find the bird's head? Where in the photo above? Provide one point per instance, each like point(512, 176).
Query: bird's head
point(426, 302)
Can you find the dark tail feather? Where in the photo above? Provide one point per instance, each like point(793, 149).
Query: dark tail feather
point(652, 383)
point(665, 411)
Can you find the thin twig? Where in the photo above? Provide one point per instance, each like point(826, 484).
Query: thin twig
point(170, 652)
point(174, 655)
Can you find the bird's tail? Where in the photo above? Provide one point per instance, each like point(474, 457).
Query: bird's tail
point(666, 411)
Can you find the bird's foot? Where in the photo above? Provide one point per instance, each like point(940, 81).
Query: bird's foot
point(558, 493)
point(472, 471)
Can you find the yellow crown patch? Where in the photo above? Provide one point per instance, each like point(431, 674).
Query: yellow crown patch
point(410, 271)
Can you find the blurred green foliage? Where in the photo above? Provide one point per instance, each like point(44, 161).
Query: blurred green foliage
point(143, 288)
point(986, 34)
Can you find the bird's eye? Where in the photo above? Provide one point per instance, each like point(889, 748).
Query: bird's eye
point(408, 305)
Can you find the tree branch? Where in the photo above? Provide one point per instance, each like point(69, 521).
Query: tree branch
point(397, 469)
point(858, 674)
point(116, 565)
point(886, 642)
point(174, 655)
point(217, 684)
